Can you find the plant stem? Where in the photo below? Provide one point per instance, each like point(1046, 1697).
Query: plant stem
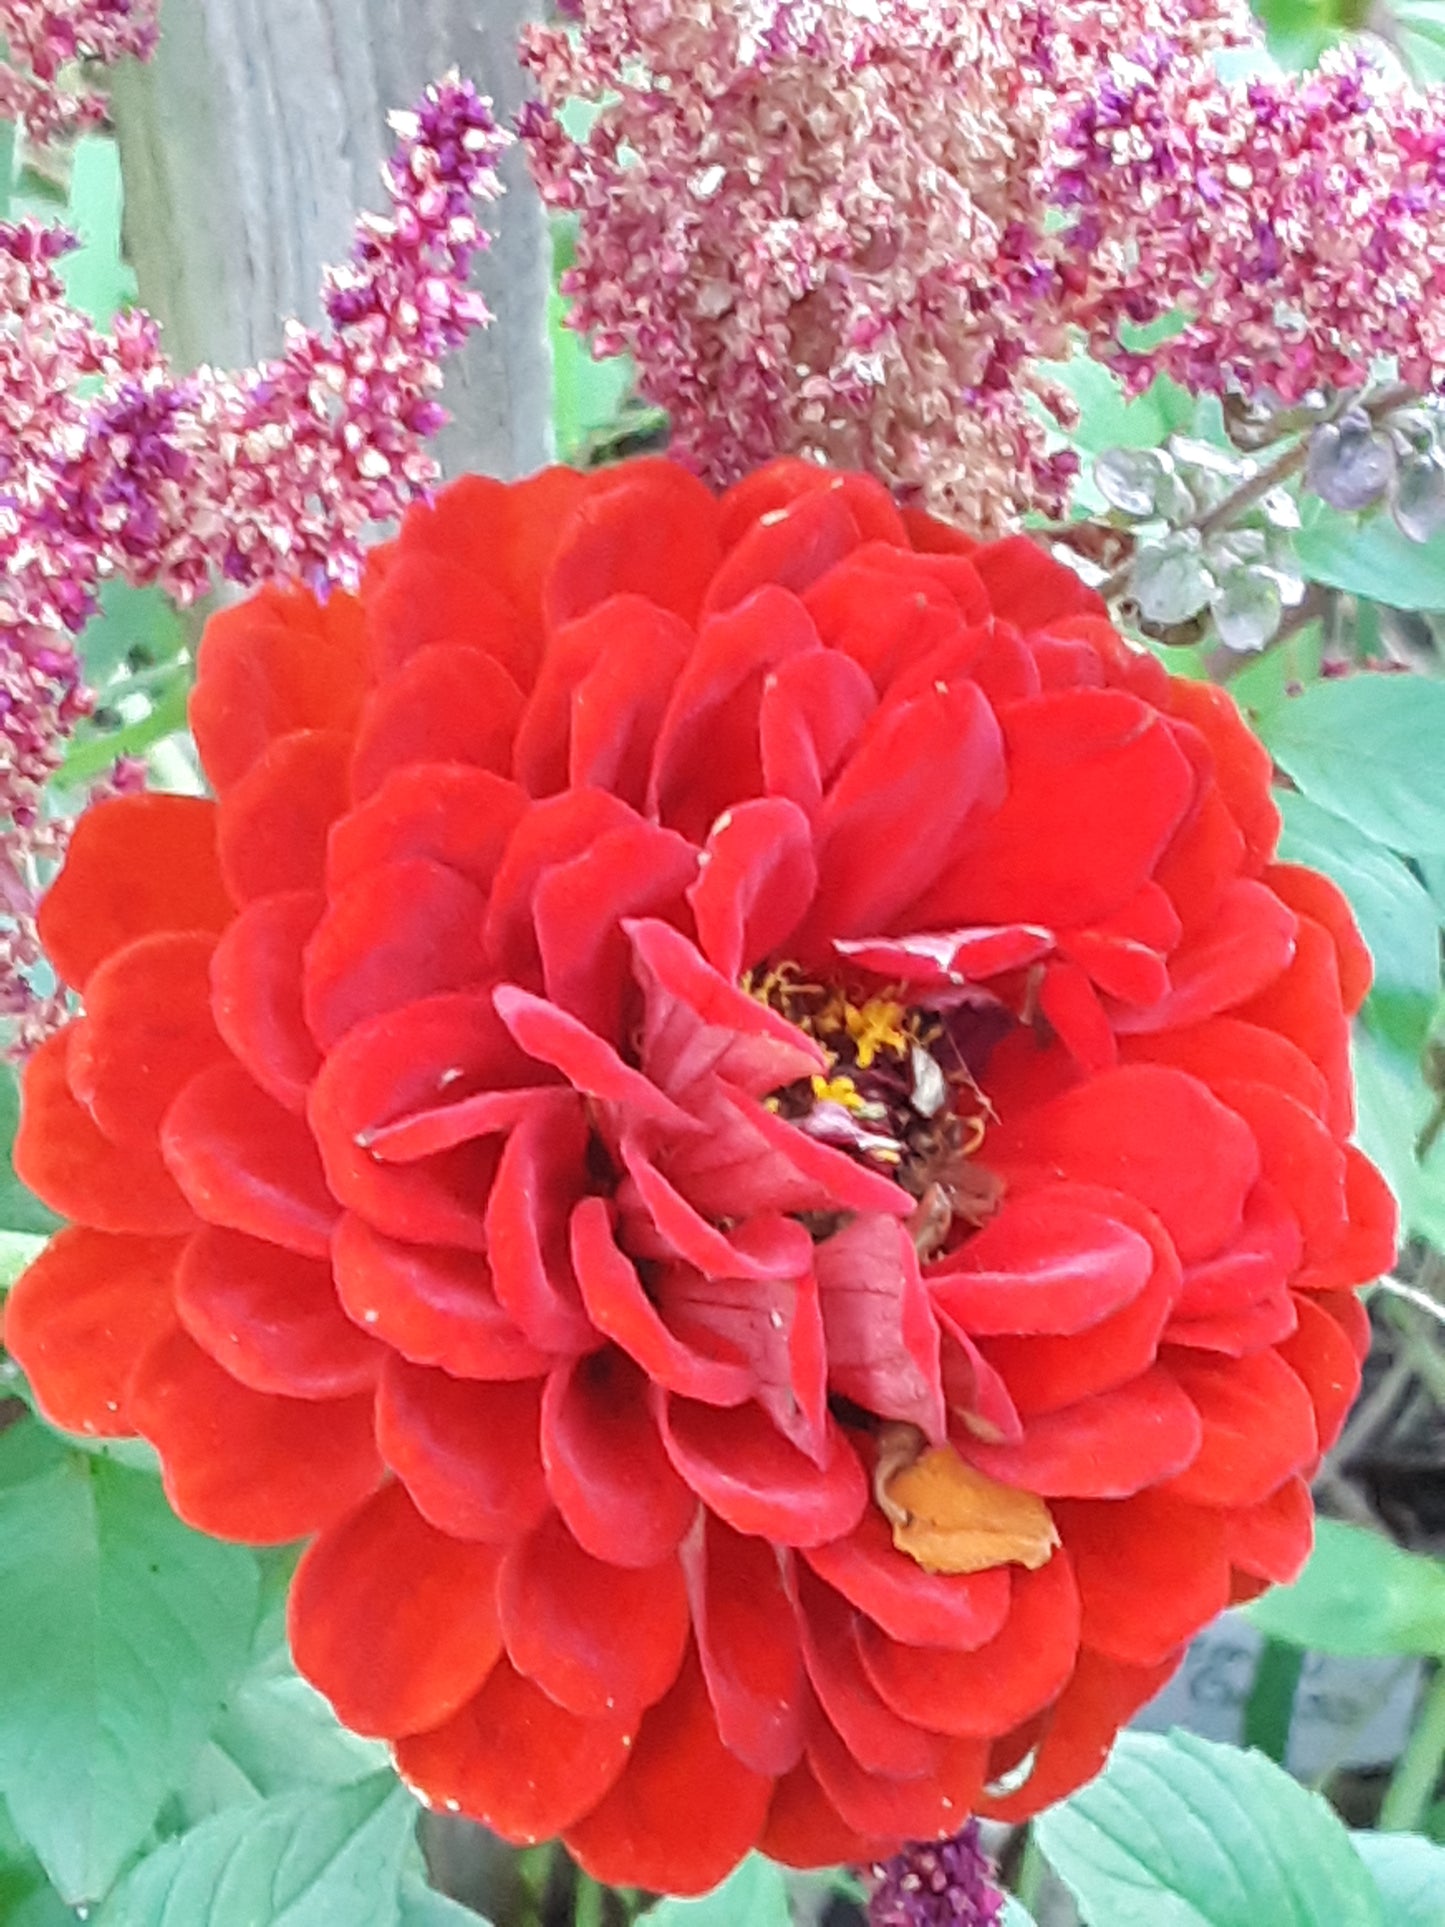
point(1270, 1707)
point(93, 758)
point(1287, 463)
point(1412, 1785)
point(1032, 1869)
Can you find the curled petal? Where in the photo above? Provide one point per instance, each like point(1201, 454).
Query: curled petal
point(394, 1659)
point(246, 1465)
point(515, 1761)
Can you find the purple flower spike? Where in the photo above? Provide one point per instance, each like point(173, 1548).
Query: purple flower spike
point(937, 1883)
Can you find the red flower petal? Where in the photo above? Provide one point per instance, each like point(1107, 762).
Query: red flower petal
point(791, 546)
point(1127, 1129)
point(516, 1761)
point(278, 663)
point(752, 1662)
point(957, 1612)
point(1272, 1539)
point(580, 908)
point(540, 1177)
point(882, 1336)
point(466, 1450)
point(592, 720)
point(391, 1658)
point(1241, 763)
point(1027, 586)
point(978, 1694)
point(388, 1068)
point(1259, 1427)
point(399, 932)
point(444, 705)
point(1102, 1696)
point(434, 1306)
point(1128, 787)
point(1304, 1004)
point(135, 865)
point(804, 1829)
point(877, 1737)
point(256, 994)
point(148, 1029)
point(271, 1318)
point(427, 600)
point(244, 1465)
point(450, 813)
point(1324, 1359)
point(1048, 1261)
point(894, 817)
point(709, 748)
point(621, 1310)
point(1151, 1572)
point(1317, 897)
point(273, 824)
point(81, 1316)
point(77, 1171)
point(593, 1637)
point(755, 883)
point(647, 529)
point(1106, 1447)
point(925, 1808)
point(742, 1467)
point(1248, 942)
point(811, 713)
point(685, 1811)
point(245, 1163)
point(606, 1469)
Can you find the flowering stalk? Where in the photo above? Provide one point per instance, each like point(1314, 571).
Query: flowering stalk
point(114, 465)
point(820, 229)
point(841, 236)
point(44, 38)
point(937, 1883)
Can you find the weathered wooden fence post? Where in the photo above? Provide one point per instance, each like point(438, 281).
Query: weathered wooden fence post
point(252, 140)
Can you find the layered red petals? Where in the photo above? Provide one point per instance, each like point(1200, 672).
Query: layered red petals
point(687, 1020)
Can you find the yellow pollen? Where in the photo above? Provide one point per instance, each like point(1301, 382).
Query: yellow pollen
point(841, 1090)
point(876, 1026)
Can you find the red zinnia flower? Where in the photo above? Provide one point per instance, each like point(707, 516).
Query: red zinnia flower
point(729, 1106)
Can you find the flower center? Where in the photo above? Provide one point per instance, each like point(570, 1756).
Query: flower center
point(899, 1094)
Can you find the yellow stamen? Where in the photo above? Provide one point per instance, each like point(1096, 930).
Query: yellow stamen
point(842, 1090)
point(876, 1026)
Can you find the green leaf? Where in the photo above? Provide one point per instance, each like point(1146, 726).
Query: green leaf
point(1397, 916)
point(1015, 1914)
point(753, 1895)
point(421, 1906)
point(20, 1210)
point(131, 622)
point(1371, 558)
point(331, 1859)
point(1410, 1874)
point(1358, 1595)
point(1180, 1832)
point(1368, 748)
point(17, 1248)
point(121, 1631)
point(1108, 418)
point(1417, 28)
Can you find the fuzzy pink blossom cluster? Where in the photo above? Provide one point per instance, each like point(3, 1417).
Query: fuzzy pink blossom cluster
point(47, 40)
point(818, 225)
point(1296, 223)
point(114, 465)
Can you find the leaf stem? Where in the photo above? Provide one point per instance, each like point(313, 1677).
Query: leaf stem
point(1287, 463)
point(94, 756)
point(1412, 1785)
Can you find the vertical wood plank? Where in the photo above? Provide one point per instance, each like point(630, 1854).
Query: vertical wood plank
point(252, 140)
